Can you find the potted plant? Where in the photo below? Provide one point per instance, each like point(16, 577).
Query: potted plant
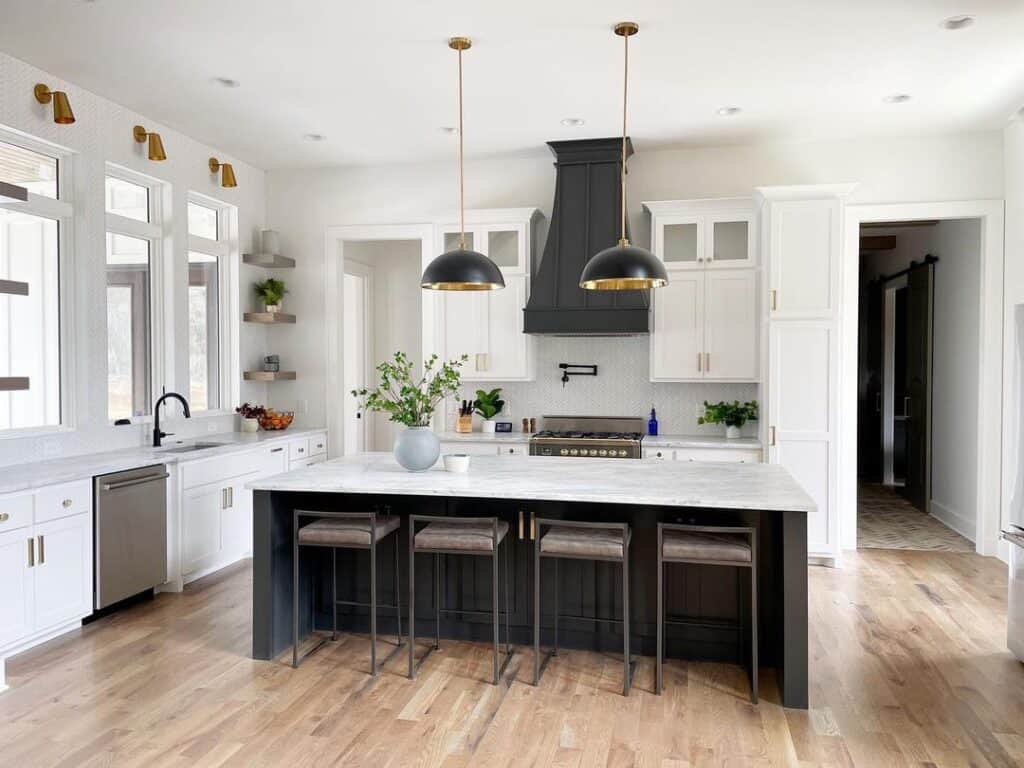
point(734, 415)
point(250, 416)
point(271, 291)
point(488, 405)
point(412, 403)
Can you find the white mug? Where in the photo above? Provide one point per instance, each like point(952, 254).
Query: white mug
point(456, 462)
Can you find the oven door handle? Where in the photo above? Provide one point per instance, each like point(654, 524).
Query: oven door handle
point(135, 481)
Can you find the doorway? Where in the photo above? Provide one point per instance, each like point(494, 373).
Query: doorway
point(920, 285)
point(359, 351)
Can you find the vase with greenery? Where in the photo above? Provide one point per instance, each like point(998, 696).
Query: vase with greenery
point(250, 416)
point(734, 415)
point(412, 403)
point(488, 405)
point(271, 291)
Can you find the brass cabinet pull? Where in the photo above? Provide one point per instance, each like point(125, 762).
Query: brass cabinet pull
point(231, 497)
point(4, 517)
point(533, 526)
point(31, 553)
point(42, 549)
point(707, 362)
point(771, 436)
point(520, 525)
point(276, 450)
point(775, 300)
point(700, 364)
point(66, 503)
point(223, 498)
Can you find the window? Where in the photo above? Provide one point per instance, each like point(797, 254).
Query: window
point(133, 249)
point(208, 226)
point(30, 289)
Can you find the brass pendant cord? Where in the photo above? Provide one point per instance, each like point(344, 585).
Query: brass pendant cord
point(462, 176)
point(625, 95)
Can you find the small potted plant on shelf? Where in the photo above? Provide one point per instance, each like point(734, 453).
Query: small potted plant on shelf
point(271, 291)
point(250, 416)
point(488, 405)
point(734, 415)
point(412, 403)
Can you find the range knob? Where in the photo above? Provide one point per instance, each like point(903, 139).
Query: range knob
point(593, 451)
point(603, 452)
point(622, 453)
point(573, 452)
point(564, 452)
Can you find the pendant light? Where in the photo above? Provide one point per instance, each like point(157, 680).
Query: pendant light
point(461, 269)
point(624, 267)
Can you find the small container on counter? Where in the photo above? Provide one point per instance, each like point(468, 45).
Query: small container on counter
point(652, 423)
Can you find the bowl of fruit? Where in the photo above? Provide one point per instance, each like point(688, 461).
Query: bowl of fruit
point(275, 420)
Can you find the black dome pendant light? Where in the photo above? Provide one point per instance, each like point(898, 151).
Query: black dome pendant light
point(624, 267)
point(461, 269)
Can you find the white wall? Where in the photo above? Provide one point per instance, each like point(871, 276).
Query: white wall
point(102, 134)
point(397, 307)
point(303, 203)
point(1013, 329)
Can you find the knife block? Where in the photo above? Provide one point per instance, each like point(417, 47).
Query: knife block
point(464, 423)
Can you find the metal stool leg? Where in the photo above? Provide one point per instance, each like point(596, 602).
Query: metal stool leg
point(295, 592)
point(626, 676)
point(437, 601)
point(334, 593)
point(494, 609)
point(661, 617)
point(536, 610)
point(412, 601)
point(753, 618)
point(373, 599)
point(398, 594)
point(508, 633)
point(558, 588)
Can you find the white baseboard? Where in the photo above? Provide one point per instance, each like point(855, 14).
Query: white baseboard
point(962, 524)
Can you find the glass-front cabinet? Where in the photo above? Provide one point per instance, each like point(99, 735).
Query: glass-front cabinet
point(722, 239)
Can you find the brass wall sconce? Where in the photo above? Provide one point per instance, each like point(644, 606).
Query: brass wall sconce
point(61, 106)
point(227, 177)
point(156, 144)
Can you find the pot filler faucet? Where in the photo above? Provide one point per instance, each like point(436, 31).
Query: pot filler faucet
point(157, 434)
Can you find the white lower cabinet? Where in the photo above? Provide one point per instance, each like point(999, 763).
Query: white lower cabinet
point(63, 570)
point(485, 448)
point(726, 455)
point(17, 577)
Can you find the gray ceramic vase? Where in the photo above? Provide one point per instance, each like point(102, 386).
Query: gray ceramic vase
point(417, 448)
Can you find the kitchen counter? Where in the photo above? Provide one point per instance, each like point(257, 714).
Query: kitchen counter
point(642, 492)
point(21, 477)
point(545, 478)
point(657, 441)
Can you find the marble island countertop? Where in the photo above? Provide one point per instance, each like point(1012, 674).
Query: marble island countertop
point(608, 481)
point(649, 441)
point(21, 477)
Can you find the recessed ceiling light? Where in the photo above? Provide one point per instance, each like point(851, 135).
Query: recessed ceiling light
point(227, 82)
point(573, 122)
point(451, 130)
point(314, 137)
point(729, 111)
point(896, 98)
point(957, 22)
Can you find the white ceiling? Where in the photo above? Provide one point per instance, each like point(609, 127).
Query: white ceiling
point(378, 79)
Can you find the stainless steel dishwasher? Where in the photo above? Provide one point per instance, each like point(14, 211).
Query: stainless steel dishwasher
point(130, 533)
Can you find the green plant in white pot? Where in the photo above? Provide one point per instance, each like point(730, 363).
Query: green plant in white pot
point(488, 405)
point(271, 291)
point(734, 415)
point(412, 403)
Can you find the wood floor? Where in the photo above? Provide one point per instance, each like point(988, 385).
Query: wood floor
point(908, 667)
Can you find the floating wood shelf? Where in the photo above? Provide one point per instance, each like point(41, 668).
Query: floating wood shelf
point(16, 383)
point(13, 288)
point(271, 260)
point(269, 375)
point(268, 317)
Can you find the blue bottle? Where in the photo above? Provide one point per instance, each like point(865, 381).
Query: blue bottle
point(652, 423)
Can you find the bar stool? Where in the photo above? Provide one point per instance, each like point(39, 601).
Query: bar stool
point(707, 545)
point(479, 536)
point(581, 541)
point(344, 530)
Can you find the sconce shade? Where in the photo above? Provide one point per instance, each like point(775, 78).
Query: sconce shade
point(156, 144)
point(62, 113)
point(227, 175)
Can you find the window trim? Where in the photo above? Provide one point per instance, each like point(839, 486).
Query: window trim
point(62, 211)
point(153, 232)
point(225, 250)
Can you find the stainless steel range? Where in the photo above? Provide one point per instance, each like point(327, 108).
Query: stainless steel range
point(590, 436)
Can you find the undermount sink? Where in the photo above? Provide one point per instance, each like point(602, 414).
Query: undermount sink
point(191, 447)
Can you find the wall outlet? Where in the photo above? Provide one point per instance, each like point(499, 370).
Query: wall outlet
point(302, 406)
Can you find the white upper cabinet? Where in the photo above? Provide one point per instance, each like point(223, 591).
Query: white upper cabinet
point(705, 321)
point(803, 271)
point(487, 326)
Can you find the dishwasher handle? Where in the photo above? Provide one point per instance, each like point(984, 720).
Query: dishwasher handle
point(135, 481)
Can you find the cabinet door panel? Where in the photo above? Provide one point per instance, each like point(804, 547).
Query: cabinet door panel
point(507, 345)
point(804, 253)
point(730, 241)
point(16, 605)
point(63, 571)
point(730, 325)
point(464, 322)
point(200, 521)
point(677, 342)
point(236, 519)
point(679, 241)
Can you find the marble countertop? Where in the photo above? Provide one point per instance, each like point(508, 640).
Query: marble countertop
point(608, 481)
point(657, 441)
point(21, 477)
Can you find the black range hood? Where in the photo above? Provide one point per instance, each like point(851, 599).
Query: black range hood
point(585, 219)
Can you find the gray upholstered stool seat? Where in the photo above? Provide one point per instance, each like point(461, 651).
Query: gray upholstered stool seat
point(583, 542)
point(695, 546)
point(340, 532)
point(461, 537)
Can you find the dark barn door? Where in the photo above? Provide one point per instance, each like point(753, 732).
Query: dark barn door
point(917, 379)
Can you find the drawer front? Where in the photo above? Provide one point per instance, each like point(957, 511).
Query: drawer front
point(662, 454)
point(57, 501)
point(298, 448)
point(514, 450)
point(15, 511)
point(218, 468)
point(730, 455)
point(317, 445)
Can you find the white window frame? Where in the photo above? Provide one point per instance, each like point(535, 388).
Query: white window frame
point(225, 250)
point(62, 211)
point(153, 232)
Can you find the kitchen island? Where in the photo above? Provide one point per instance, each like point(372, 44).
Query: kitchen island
point(639, 492)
